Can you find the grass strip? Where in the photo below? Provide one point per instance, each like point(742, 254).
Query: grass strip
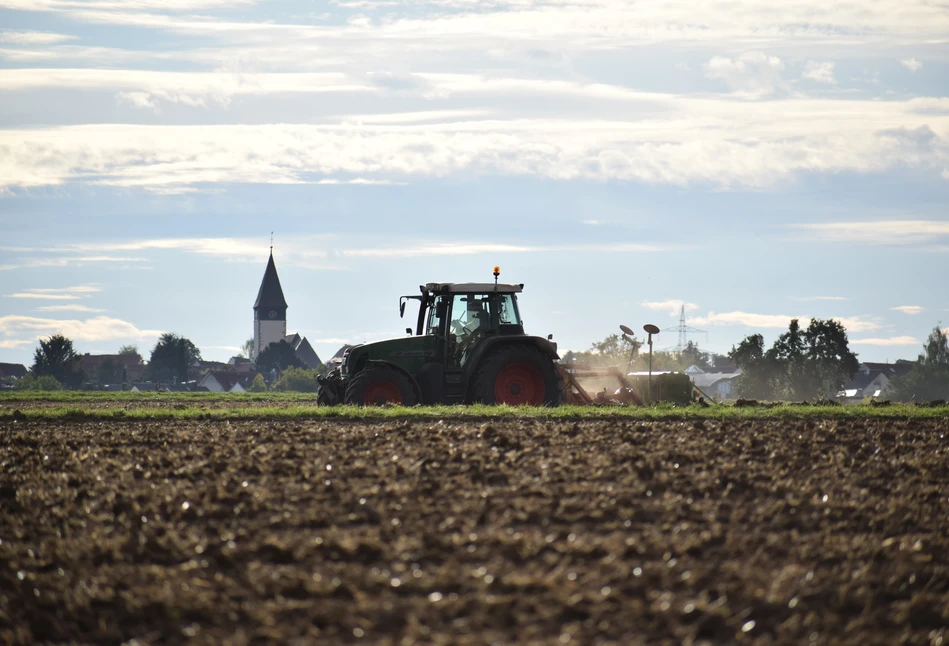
point(478, 412)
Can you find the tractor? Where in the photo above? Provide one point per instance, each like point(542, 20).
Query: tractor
point(468, 346)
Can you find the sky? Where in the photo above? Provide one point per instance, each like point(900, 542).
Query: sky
point(749, 162)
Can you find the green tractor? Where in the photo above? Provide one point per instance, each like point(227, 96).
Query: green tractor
point(468, 346)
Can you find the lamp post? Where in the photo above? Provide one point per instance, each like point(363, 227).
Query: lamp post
point(650, 330)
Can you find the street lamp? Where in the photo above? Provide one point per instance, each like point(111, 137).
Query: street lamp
point(650, 330)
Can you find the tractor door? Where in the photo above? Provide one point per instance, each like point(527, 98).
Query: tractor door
point(431, 378)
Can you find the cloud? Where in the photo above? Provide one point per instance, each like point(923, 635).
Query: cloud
point(908, 309)
point(778, 321)
point(77, 261)
point(881, 232)
point(911, 64)
point(49, 297)
point(99, 328)
point(67, 308)
point(819, 72)
point(747, 319)
point(662, 141)
point(32, 37)
point(670, 307)
point(142, 100)
point(9, 344)
point(896, 340)
point(753, 73)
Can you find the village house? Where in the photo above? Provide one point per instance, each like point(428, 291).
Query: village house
point(871, 379)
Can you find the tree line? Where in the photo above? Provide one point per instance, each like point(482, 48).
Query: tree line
point(803, 364)
point(174, 360)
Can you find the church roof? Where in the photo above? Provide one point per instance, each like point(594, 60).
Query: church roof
point(270, 293)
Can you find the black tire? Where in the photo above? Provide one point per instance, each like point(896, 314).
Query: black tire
point(518, 375)
point(380, 385)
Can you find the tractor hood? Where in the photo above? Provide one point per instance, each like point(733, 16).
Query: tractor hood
point(398, 351)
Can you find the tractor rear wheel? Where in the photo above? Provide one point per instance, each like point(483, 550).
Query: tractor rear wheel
point(380, 385)
point(518, 375)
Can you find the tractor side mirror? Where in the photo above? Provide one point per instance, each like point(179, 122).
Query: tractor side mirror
point(402, 307)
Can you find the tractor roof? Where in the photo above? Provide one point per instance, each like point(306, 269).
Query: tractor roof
point(471, 288)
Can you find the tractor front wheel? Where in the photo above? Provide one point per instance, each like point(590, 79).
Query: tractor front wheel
point(518, 375)
point(378, 386)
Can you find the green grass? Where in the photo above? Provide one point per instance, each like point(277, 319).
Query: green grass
point(301, 406)
point(146, 397)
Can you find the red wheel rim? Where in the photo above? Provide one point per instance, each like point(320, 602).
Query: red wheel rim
point(382, 392)
point(519, 384)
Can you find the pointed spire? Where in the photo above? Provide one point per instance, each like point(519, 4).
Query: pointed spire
point(270, 295)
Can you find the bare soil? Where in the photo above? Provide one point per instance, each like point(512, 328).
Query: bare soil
point(450, 532)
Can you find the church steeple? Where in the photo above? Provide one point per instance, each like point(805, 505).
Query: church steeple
point(270, 294)
point(270, 310)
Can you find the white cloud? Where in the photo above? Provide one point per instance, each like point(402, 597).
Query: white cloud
point(665, 140)
point(56, 294)
point(747, 319)
point(99, 328)
point(67, 308)
point(888, 232)
point(142, 100)
point(49, 297)
point(9, 344)
point(908, 309)
point(778, 321)
point(32, 37)
point(670, 307)
point(819, 72)
point(753, 74)
point(911, 64)
point(896, 340)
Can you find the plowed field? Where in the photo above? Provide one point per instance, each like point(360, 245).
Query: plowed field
point(527, 531)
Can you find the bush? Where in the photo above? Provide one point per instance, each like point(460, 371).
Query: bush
point(43, 382)
point(298, 380)
point(258, 385)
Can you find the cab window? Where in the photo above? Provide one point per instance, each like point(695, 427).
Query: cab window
point(437, 315)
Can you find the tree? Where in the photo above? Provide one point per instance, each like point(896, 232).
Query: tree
point(247, 350)
point(32, 382)
point(56, 358)
point(278, 356)
point(111, 372)
point(613, 350)
point(174, 358)
point(830, 363)
point(799, 365)
point(131, 348)
point(258, 385)
point(297, 379)
point(757, 368)
point(929, 378)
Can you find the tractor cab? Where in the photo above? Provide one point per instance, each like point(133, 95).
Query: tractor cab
point(463, 334)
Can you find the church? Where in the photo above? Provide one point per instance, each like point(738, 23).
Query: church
point(270, 319)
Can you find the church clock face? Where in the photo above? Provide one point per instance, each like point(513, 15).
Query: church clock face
point(272, 314)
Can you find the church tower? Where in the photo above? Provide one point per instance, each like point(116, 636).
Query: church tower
point(270, 310)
